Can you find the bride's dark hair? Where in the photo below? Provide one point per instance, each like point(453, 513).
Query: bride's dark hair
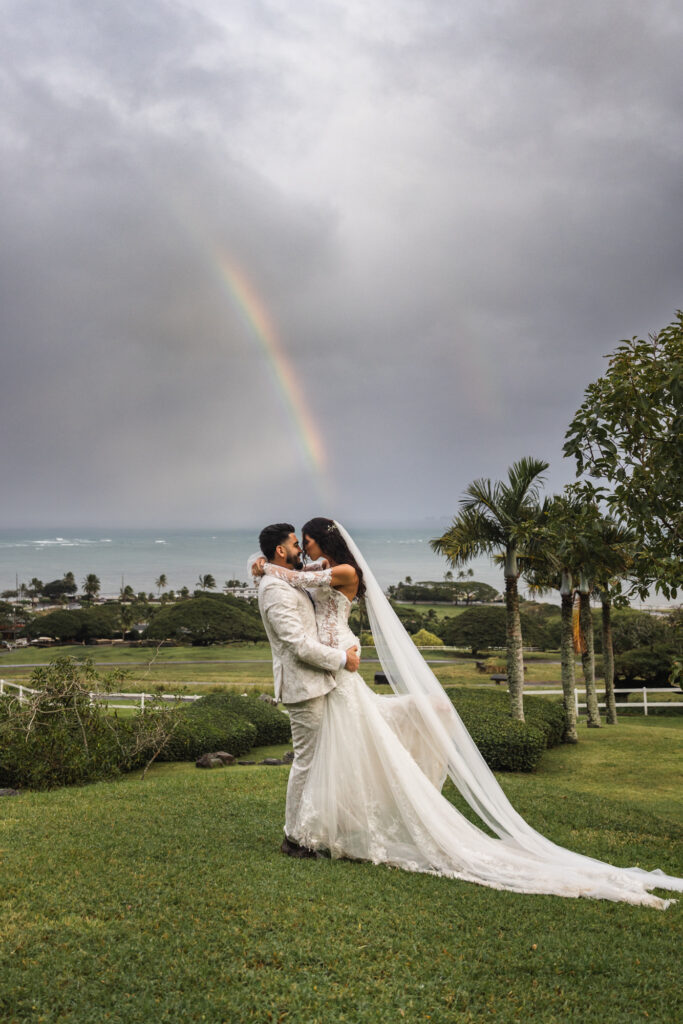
point(330, 541)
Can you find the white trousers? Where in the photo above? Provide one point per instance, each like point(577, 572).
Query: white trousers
point(305, 718)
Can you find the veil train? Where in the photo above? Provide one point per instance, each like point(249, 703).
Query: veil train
point(440, 725)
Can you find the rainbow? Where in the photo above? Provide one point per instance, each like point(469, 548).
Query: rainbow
point(255, 316)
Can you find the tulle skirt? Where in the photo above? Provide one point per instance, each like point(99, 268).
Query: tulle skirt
point(373, 793)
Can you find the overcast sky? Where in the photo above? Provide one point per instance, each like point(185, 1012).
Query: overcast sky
point(449, 212)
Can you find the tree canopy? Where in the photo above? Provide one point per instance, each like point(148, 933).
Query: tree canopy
point(628, 432)
point(218, 618)
point(484, 628)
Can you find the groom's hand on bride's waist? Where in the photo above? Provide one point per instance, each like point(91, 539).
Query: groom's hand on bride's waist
point(352, 659)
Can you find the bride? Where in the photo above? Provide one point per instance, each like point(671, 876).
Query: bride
point(374, 788)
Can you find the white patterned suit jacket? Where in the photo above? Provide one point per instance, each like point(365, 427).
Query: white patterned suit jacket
point(302, 667)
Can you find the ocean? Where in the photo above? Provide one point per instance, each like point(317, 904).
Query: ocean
point(138, 557)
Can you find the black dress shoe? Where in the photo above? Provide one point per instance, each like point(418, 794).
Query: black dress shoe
point(293, 849)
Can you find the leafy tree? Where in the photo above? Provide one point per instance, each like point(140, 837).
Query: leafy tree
point(78, 626)
point(6, 614)
point(184, 592)
point(206, 620)
point(56, 589)
point(127, 593)
point(70, 581)
point(646, 666)
point(631, 629)
point(485, 628)
point(501, 518)
point(91, 586)
point(628, 433)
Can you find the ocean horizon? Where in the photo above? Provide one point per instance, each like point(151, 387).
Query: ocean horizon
point(137, 557)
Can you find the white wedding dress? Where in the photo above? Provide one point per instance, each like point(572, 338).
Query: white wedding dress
point(374, 789)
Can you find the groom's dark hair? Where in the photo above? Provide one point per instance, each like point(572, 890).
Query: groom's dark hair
point(271, 536)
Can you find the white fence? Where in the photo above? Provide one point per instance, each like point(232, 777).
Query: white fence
point(618, 704)
point(104, 698)
point(141, 698)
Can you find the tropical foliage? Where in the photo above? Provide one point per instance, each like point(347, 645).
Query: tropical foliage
point(485, 628)
point(628, 432)
point(501, 518)
point(217, 618)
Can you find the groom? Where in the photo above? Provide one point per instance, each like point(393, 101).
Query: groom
point(303, 668)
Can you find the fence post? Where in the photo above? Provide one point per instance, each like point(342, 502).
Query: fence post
point(142, 704)
point(21, 694)
point(644, 700)
point(2, 685)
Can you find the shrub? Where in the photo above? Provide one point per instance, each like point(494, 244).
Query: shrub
point(272, 725)
point(506, 744)
point(644, 666)
point(56, 738)
point(203, 727)
point(423, 638)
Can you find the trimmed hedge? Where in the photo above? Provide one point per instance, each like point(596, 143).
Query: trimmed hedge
point(506, 744)
point(272, 725)
point(202, 728)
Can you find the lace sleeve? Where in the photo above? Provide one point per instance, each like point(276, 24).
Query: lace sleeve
point(302, 580)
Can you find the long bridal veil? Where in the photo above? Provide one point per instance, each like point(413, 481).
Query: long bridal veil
point(439, 723)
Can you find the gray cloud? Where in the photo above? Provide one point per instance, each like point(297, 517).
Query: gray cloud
point(449, 214)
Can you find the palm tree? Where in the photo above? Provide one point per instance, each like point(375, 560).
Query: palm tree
point(553, 569)
point(501, 518)
point(585, 589)
point(207, 582)
point(70, 585)
point(91, 586)
point(612, 553)
point(126, 618)
point(36, 587)
point(160, 582)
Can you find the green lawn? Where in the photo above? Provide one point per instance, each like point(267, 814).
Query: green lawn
point(442, 611)
point(236, 665)
point(167, 901)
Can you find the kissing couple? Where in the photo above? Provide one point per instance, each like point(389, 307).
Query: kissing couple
point(368, 769)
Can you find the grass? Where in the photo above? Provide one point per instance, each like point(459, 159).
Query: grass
point(167, 900)
point(239, 665)
point(442, 611)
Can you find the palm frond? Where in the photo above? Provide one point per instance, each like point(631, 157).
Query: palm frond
point(471, 534)
point(525, 478)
